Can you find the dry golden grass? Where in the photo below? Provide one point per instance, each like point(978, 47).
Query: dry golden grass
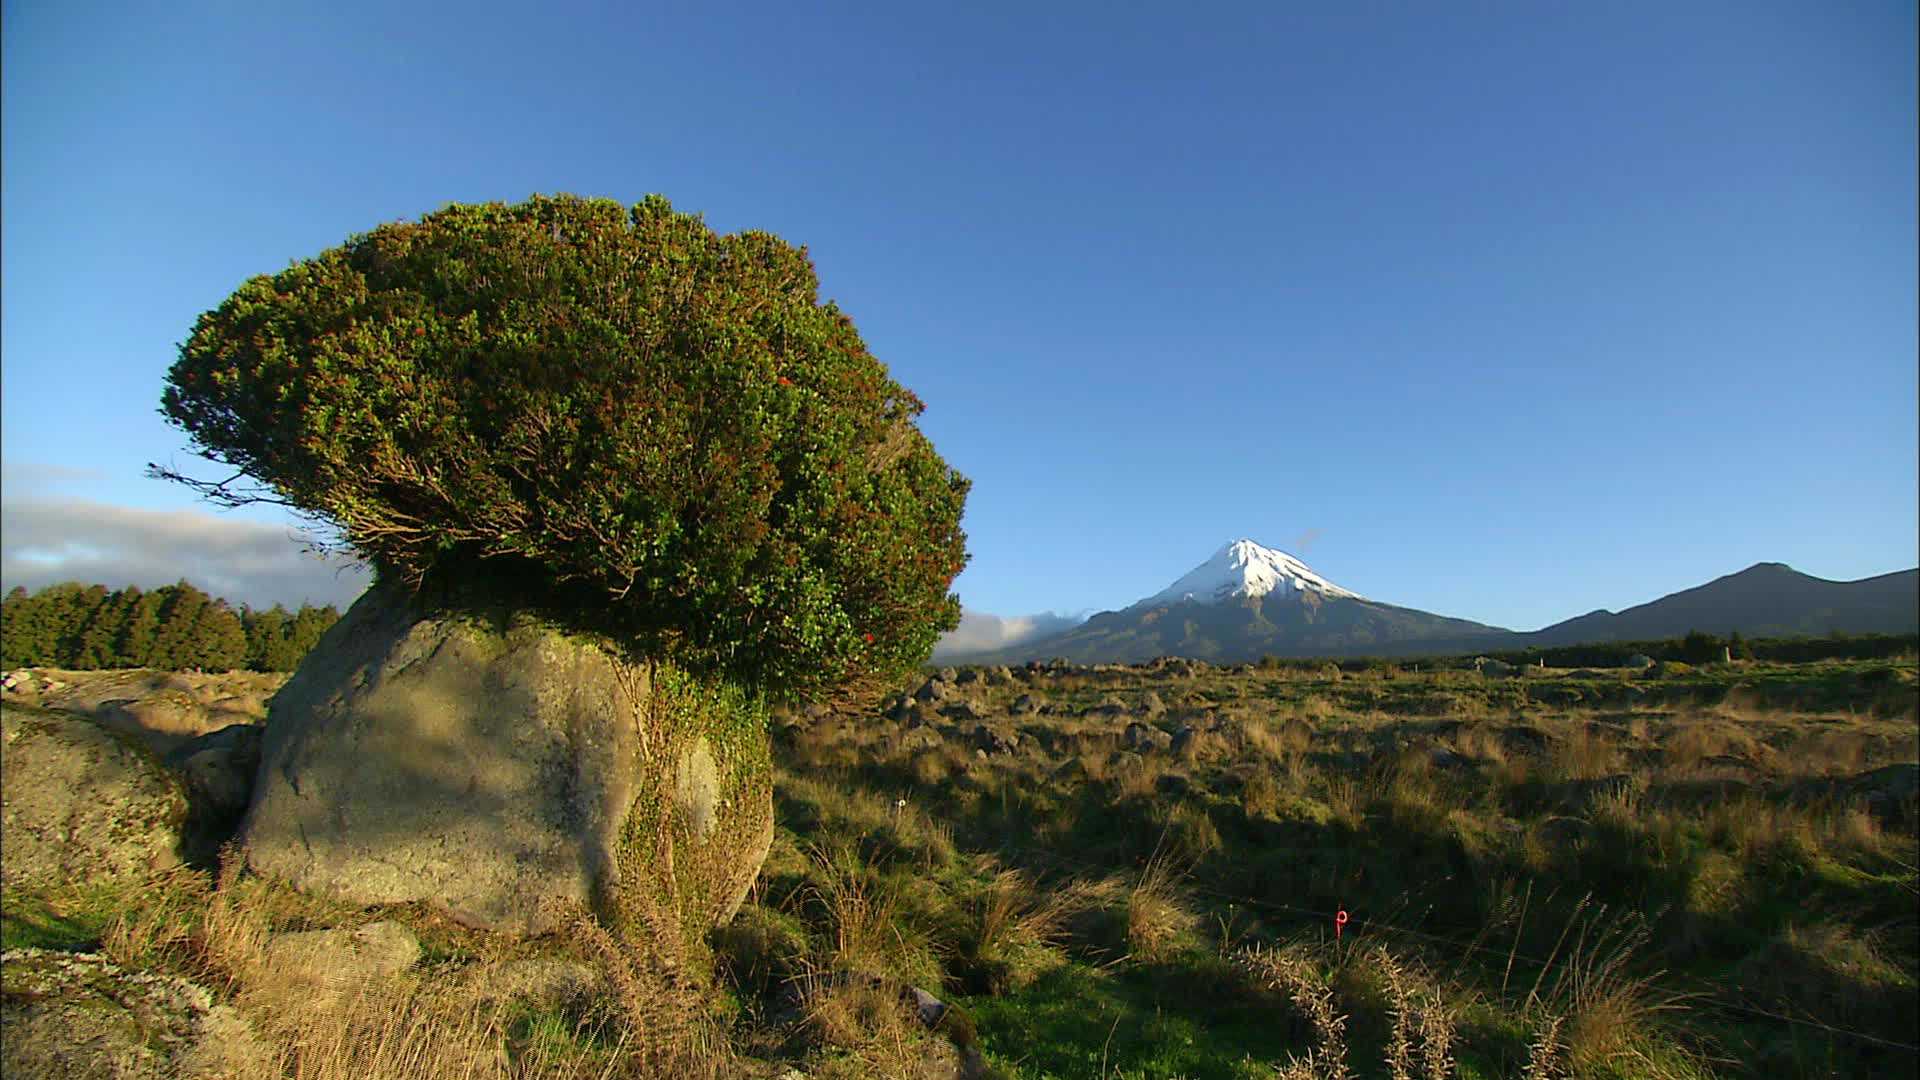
point(1160, 916)
point(1583, 752)
point(1608, 1013)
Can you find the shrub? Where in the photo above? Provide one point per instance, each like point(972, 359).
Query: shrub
point(649, 428)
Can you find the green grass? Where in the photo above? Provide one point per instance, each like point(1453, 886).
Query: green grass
point(1079, 1023)
point(31, 920)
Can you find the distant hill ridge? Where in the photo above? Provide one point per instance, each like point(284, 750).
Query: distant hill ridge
point(1766, 599)
point(1248, 601)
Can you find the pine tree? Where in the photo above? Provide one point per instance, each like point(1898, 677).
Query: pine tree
point(97, 644)
point(308, 625)
point(23, 629)
point(67, 606)
point(267, 646)
point(173, 643)
point(143, 626)
point(218, 642)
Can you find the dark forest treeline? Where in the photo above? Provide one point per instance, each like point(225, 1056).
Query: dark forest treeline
point(174, 627)
point(1699, 647)
point(1696, 647)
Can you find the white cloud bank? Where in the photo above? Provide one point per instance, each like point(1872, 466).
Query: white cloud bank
point(44, 541)
point(980, 632)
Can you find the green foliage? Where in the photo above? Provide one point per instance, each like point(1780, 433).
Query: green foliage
point(615, 414)
point(174, 627)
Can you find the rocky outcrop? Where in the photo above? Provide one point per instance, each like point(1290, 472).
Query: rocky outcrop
point(219, 769)
point(81, 804)
point(66, 1016)
point(161, 709)
point(503, 769)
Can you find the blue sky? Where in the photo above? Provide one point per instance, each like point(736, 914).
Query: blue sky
point(1506, 311)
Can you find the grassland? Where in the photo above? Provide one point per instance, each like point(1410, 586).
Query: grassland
point(1133, 872)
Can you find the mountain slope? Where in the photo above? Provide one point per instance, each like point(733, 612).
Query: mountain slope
point(1764, 600)
point(1248, 601)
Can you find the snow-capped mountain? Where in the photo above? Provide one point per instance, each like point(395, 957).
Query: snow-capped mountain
point(1245, 569)
point(1245, 602)
point(1249, 601)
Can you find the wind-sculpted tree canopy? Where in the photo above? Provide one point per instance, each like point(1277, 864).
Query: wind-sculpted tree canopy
point(615, 414)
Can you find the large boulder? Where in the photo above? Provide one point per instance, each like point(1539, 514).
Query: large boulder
point(80, 804)
point(504, 769)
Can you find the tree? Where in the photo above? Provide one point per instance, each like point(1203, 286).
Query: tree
point(304, 632)
point(143, 628)
point(174, 645)
point(98, 643)
point(618, 415)
point(266, 635)
point(218, 642)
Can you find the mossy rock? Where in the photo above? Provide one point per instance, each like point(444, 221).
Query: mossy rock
point(83, 805)
point(509, 771)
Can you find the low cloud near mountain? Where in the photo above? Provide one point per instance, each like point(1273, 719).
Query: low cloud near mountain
point(980, 632)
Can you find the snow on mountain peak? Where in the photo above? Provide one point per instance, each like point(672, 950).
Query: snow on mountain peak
point(1244, 568)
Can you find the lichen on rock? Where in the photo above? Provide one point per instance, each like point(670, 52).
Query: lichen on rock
point(83, 805)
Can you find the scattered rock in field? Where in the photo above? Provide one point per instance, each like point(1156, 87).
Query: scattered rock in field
point(343, 959)
point(1178, 667)
point(994, 741)
point(1172, 784)
point(899, 711)
point(964, 711)
point(1443, 758)
point(917, 739)
point(998, 675)
point(948, 675)
point(1151, 705)
point(79, 804)
point(935, 689)
point(1494, 669)
point(1183, 739)
point(1024, 705)
point(1109, 708)
point(967, 677)
point(68, 1016)
point(1141, 739)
